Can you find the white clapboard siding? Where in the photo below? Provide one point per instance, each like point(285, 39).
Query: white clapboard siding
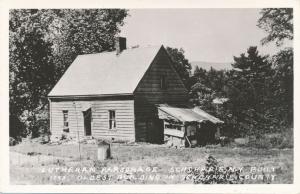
point(100, 116)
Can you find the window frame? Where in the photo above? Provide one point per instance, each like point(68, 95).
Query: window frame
point(110, 119)
point(163, 82)
point(66, 124)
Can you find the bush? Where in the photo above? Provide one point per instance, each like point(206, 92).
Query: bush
point(36, 122)
point(39, 127)
point(287, 139)
point(213, 173)
point(261, 142)
point(281, 140)
point(45, 138)
point(223, 140)
point(17, 129)
point(12, 141)
point(65, 136)
point(275, 140)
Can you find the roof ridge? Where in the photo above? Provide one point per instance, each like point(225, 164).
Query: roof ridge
point(127, 49)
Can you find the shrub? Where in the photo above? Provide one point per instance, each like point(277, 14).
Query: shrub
point(39, 127)
point(261, 142)
point(17, 129)
point(275, 140)
point(63, 136)
point(33, 153)
point(223, 140)
point(281, 140)
point(67, 137)
point(287, 139)
point(45, 138)
point(12, 141)
point(213, 173)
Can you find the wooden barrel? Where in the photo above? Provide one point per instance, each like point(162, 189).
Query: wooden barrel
point(103, 151)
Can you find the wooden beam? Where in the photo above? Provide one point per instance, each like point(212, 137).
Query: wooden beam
point(174, 132)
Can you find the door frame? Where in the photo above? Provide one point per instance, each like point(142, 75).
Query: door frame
point(87, 113)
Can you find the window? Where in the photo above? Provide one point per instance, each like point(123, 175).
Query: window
point(112, 119)
point(87, 122)
point(163, 82)
point(66, 121)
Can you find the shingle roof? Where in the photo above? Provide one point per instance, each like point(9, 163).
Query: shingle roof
point(105, 73)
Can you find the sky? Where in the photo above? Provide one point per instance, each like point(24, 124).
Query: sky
point(212, 35)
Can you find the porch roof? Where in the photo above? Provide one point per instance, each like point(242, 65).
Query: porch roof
point(185, 114)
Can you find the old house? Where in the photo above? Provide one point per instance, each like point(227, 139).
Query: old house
point(115, 95)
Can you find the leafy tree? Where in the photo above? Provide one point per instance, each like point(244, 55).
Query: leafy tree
point(283, 86)
point(206, 86)
point(278, 23)
point(43, 43)
point(217, 81)
point(181, 64)
point(31, 73)
point(84, 31)
point(201, 95)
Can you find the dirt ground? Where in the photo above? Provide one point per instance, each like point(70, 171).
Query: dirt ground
point(35, 163)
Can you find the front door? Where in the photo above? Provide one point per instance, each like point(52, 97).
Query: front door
point(87, 117)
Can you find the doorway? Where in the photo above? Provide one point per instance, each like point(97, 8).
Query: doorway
point(155, 131)
point(206, 133)
point(87, 118)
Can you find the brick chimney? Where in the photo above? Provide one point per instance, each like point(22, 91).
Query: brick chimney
point(120, 44)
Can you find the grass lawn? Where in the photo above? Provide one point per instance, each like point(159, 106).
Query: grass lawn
point(34, 163)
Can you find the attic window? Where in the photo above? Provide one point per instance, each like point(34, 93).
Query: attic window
point(112, 119)
point(163, 82)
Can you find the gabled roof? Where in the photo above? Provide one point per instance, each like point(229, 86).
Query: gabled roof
point(186, 114)
point(106, 73)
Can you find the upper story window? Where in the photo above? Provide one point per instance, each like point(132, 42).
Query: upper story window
point(163, 82)
point(66, 121)
point(112, 119)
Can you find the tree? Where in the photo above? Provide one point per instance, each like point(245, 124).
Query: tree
point(43, 43)
point(181, 64)
point(84, 31)
point(31, 71)
point(216, 80)
point(284, 86)
point(201, 95)
point(198, 70)
point(278, 23)
point(249, 91)
point(208, 84)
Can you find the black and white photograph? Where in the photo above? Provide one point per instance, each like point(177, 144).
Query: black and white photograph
point(151, 96)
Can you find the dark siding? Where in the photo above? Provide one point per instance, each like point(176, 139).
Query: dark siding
point(148, 93)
